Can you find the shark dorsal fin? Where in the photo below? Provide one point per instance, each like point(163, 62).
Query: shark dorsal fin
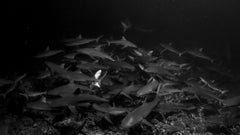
point(123, 38)
point(98, 48)
point(47, 48)
point(79, 36)
point(150, 53)
point(200, 49)
point(141, 66)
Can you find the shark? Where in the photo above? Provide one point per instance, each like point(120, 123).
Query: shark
point(126, 25)
point(78, 41)
point(48, 53)
point(123, 42)
point(199, 54)
point(170, 48)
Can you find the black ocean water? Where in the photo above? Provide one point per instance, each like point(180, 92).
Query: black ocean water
point(31, 26)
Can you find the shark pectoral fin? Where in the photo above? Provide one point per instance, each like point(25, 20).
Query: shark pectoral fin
point(162, 51)
point(107, 118)
point(126, 95)
point(73, 109)
point(144, 121)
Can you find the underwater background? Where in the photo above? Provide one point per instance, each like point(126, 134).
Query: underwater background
point(33, 25)
point(126, 67)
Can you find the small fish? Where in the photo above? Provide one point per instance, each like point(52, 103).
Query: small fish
point(123, 42)
point(150, 87)
point(48, 53)
point(138, 114)
point(170, 48)
point(95, 53)
point(109, 109)
point(82, 41)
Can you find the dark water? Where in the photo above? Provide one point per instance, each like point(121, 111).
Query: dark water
point(31, 25)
